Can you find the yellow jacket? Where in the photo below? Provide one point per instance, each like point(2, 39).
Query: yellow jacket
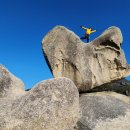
point(88, 30)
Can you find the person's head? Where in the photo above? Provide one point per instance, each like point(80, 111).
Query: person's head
point(90, 28)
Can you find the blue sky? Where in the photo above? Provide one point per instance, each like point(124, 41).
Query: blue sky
point(23, 24)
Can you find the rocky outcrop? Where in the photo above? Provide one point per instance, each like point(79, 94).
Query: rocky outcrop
point(88, 65)
point(55, 104)
point(50, 105)
point(104, 111)
point(10, 86)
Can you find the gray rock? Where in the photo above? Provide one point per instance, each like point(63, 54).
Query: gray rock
point(10, 85)
point(88, 65)
point(121, 86)
point(50, 105)
point(104, 111)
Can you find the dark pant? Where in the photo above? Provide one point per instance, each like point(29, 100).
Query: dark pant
point(86, 37)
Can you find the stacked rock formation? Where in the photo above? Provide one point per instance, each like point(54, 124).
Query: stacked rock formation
point(77, 67)
point(87, 65)
point(97, 66)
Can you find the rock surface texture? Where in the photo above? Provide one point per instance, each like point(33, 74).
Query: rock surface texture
point(10, 85)
point(104, 111)
point(50, 105)
point(121, 86)
point(88, 65)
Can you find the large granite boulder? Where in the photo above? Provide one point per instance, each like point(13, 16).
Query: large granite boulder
point(104, 111)
point(50, 105)
point(88, 65)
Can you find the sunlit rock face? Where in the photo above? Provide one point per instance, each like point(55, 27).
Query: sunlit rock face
point(50, 105)
point(104, 111)
point(88, 65)
point(10, 85)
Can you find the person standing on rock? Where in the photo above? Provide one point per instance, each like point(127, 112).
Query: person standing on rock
point(87, 34)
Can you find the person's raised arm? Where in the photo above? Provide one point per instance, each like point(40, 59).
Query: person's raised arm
point(93, 31)
point(83, 27)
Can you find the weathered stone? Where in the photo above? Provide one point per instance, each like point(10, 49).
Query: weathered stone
point(10, 86)
point(88, 65)
point(50, 105)
point(121, 86)
point(104, 111)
